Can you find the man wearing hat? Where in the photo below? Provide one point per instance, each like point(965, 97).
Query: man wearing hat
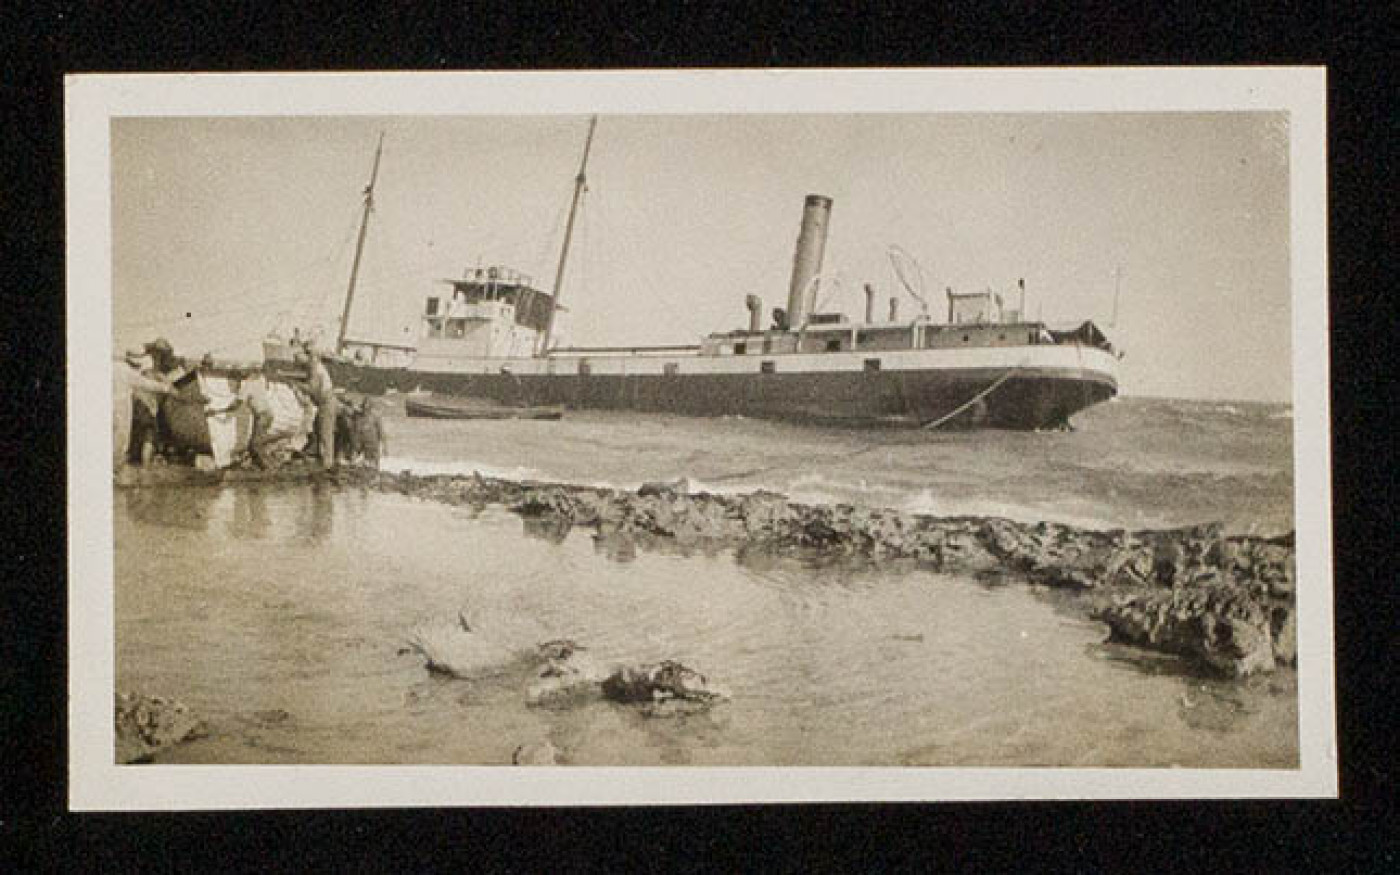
point(147, 387)
point(162, 355)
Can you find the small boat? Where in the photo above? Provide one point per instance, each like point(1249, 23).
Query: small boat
point(440, 407)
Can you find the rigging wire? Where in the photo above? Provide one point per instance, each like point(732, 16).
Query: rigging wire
point(898, 257)
point(835, 285)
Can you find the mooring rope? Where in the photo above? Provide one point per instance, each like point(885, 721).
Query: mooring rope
point(996, 384)
point(872, 446)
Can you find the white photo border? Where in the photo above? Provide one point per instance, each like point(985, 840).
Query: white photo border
point(92, 102)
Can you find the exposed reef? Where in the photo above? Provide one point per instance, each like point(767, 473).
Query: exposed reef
point(1225, 602)
point(147, 725)
point(564, 673)
point(663, 689)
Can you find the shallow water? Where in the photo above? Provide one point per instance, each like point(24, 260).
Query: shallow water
point(280, 616)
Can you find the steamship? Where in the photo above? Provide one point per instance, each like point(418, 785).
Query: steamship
point(487, 337)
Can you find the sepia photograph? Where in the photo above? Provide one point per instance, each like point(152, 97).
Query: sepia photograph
point(743, 436)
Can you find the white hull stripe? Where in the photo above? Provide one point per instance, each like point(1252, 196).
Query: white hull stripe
point(1047, 358)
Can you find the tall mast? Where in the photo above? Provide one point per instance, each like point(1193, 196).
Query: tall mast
point(580, 182)
point(359, 248)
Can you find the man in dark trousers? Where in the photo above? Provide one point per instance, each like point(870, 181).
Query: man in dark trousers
point(370, 429)
point(322, 392)
point(147, 388)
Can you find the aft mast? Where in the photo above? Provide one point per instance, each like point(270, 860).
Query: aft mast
point(580, 182)
point(359, 248)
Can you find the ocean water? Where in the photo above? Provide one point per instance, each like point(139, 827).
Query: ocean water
point(1133, 463)
point(281, 614)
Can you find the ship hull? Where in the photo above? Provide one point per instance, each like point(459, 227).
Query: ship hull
point(1021, 401)
point(990, 396)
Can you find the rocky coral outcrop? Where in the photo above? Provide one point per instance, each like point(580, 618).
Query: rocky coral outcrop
point(564, 673)
point(147, 725)
point(1218, 625)
point(663, 689)
point(568, 674)
point(1227, 601)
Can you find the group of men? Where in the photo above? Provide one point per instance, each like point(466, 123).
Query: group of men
point(154, 368)
point(343, 430)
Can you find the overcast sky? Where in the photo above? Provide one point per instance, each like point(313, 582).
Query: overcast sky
point(224, 228)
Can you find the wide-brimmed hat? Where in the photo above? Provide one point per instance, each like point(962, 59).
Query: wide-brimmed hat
point(160, 344)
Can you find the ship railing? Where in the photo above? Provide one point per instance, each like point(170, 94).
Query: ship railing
point(624, 350)
point(504, 278)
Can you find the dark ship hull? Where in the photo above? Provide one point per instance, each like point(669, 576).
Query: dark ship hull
point(1024, 398)
point(1022, 402)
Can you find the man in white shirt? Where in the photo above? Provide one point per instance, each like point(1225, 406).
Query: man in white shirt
point(250, 389)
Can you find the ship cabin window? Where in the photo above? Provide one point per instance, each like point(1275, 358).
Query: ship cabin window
point(833, 344)
point(741, 348)
point(1001, 336)
point(872, 364)
point(966, 338)
point(456, 329)
point(432, 307)
point(1031, 338)
point(767, 368)
point(670, 369)
point(435, 328)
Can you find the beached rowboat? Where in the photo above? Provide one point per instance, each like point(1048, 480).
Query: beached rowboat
point(438, 407)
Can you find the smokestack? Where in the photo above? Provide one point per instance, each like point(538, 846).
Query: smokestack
point(755, 305)
point(807, 260)
point(869, 303)
point(894, 309)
